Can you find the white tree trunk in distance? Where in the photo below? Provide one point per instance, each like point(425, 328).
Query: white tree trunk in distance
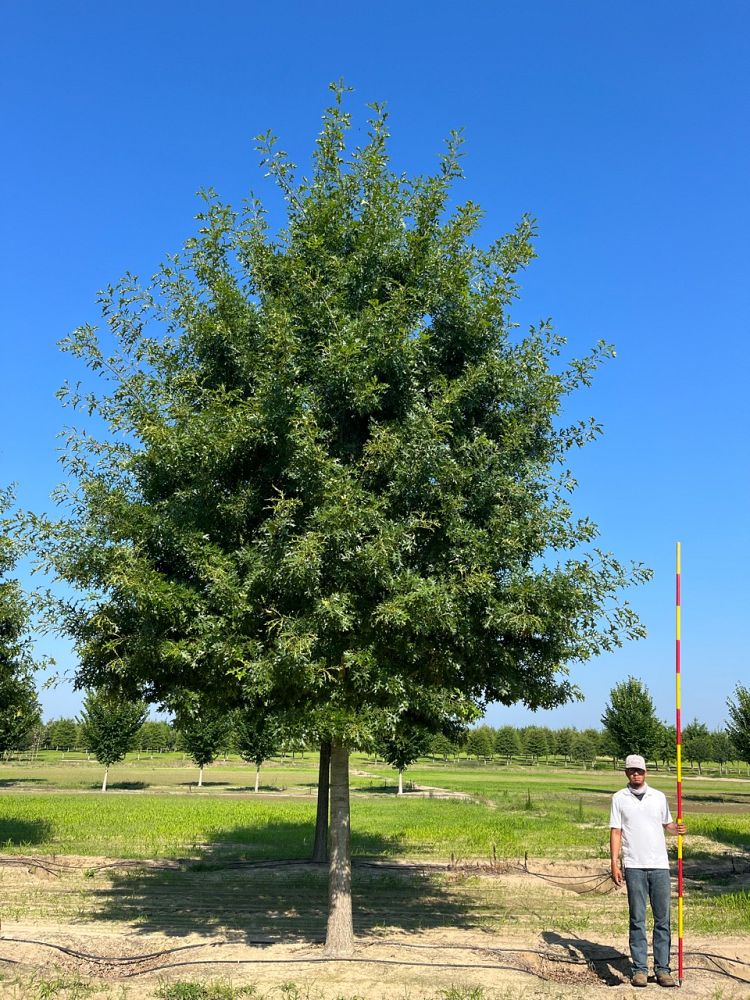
point(340, 930)
point(400, 782)
point(104, 783)
point(257, 778)
point(200, 777)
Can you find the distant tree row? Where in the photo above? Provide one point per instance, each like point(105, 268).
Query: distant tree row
point(631, 726)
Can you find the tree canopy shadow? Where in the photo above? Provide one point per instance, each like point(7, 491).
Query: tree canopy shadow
point(384, 789)
point(24, 832)
point(232, 890)
point(269, 789)
point(611, 965)
point(12, 782)
point(206, 784)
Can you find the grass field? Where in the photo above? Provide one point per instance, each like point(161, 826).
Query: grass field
point(157, 810)
point(473, 849)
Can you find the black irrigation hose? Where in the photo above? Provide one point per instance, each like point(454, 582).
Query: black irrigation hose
point(353, 961)
point(546, 955)
point(56, 868)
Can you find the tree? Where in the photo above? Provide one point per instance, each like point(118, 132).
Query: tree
point(738, 727)
point(479, 743)
point(697, 744)
point(441, 746)
point(338, 483)
point(723, 748)
point(257, 738)
point(204, 730)
point(109, 727)
point(507, 742)
point(584, 748)
point(20, 713)
point(155, 735)
point(320, 842)
point(402, 747)
point(564, 742)
point(62, 734)
point(607, 746)
point(630, 719)
point(534, 741)
point(666, 743)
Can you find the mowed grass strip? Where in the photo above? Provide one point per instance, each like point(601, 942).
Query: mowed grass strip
point(545, 813)
point(167, 826)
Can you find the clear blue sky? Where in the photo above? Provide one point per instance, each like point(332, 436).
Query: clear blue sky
point(622, 128)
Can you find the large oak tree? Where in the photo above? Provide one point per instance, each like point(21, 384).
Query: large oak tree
point(335, 480)
point(19, 705)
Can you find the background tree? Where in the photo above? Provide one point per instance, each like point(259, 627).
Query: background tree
point(20, 713)
point(584, 749)
point(723, 748)
point(108, 727)
point(697, 744)
point(564, 742)
point(508, 743)
point(479, 743)
point(155, 735)
point(62, 734)
point(441, 746)
point(534, 742)
point(738, 726)
point(608, 747)
point(19, 706)
point(630, 719)
point(666, 743)
point(257, 737)
point(339, 483)
point(403, 746)
point(204, 730)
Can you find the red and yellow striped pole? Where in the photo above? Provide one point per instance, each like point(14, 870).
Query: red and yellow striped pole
point(678, 730)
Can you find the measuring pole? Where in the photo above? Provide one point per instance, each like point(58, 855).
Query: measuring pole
point(678, 730)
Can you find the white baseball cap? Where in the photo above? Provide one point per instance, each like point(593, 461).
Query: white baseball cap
point(634, 760)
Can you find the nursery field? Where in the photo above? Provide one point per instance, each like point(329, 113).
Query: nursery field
point(481, 881)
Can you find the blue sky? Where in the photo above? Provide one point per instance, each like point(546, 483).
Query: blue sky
point(621, 128)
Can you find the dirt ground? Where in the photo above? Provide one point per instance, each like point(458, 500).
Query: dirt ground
point(532, 929)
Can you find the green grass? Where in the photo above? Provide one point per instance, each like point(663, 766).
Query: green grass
point(559, 814)
point(57, 808)
point(192, 990)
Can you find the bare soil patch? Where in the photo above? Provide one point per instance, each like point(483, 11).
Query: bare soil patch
point(534, 929)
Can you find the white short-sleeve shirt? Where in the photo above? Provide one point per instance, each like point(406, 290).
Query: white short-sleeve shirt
point(642, 823)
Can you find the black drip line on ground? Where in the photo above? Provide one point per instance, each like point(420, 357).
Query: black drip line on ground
point(197, 865)
point(57, 868)
point(126, 961)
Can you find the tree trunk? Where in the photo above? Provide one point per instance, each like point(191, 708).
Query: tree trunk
point(320, 847)
point(400, 782)
point(104, 783)
point(257, 777)
point(200, 777)
point(340, 930)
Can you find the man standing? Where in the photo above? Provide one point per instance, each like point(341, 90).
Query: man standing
point(638, 821)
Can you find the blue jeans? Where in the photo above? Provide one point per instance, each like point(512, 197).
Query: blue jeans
point(651, 884)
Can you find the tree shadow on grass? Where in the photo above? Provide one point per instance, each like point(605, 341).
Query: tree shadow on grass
point(13, 782)
point(126, 786)
point(611, 965)
point(23, 832)
point(234, 890)
point(206, 784)
point(383, 789)
point(269, 789)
